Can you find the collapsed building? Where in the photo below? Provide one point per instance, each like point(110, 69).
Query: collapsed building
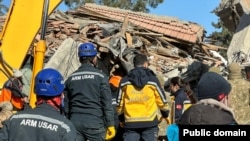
point(174, 47)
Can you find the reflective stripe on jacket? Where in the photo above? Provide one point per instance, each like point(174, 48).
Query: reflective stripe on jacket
point(139, 106)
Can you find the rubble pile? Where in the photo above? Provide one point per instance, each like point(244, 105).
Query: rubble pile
point(174, 47)
point(172, 44)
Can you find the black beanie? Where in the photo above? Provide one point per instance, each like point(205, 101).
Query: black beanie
point(213, 85)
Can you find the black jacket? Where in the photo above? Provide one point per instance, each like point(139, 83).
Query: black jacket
point(44, 123)
point(180, 97)
point(88, 97)
point(208, 112)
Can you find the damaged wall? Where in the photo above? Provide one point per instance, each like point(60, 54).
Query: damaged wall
point(239, 48)
point(235, 15)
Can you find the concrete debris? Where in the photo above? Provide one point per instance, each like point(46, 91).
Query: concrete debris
point(174, 47)
point(171, 44)
point(121, 40)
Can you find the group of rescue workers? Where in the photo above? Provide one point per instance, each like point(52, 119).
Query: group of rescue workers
point(90, 105)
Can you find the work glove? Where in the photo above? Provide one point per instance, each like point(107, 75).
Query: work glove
point(110, 133)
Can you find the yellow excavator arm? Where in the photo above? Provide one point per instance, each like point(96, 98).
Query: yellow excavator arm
point(23, 21)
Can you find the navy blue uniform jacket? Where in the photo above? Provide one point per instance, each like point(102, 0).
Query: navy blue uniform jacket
point(88, 97)
point(44, 123)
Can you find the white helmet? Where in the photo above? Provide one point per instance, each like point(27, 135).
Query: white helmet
point(17, 73)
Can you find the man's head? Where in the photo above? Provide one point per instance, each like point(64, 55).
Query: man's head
point(87, 53)
point(49, 83)
point(141, 60)
point(213, 85)
point(49, 87)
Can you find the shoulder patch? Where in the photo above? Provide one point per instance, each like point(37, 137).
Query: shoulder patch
point(178, 106)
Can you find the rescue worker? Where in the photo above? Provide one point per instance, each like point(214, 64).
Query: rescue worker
point(212, 107)
point(88, 100)
point(114, 82)
point(140, 96)
point(44, 122)
point(240, 94)
point(181, 91)
point(12, 91)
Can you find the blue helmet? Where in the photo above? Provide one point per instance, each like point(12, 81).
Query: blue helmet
point(49, 82)
point(87, 50)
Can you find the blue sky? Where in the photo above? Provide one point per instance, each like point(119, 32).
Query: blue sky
point(197, 11)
